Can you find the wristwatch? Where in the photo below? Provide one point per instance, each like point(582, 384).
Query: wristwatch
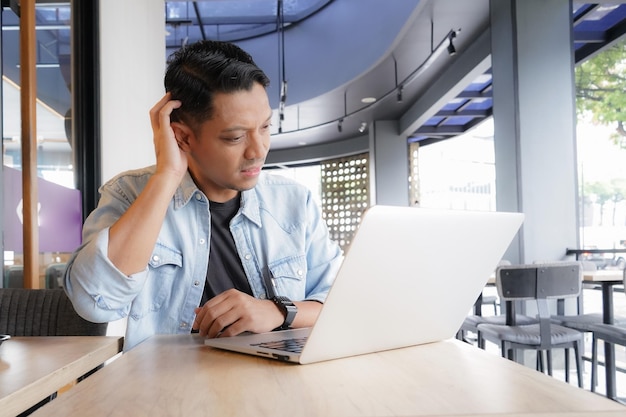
point(288, 309)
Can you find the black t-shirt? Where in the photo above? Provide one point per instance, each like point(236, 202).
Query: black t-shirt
point(225, 270)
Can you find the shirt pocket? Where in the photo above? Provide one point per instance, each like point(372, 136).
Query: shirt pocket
point(164, 266)
point(290, 277)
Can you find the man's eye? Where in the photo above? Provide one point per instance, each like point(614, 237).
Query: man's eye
point(235, 139)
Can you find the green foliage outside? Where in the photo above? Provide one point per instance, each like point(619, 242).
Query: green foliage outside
point(601, 89)
point(601, 94)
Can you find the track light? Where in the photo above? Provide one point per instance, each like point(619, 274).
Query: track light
point(362, 127)
point(399, 94)
point(340, 125)
point(451, 48)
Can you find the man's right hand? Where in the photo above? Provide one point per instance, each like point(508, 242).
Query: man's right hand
point(169, 156)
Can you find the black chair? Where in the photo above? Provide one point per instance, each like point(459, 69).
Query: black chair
point(46, 312)
point(608, 333)
point(539, 282)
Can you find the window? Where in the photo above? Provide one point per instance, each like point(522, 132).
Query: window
point(59, 204)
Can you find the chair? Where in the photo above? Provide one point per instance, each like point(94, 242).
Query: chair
point(471, 322)
point(54, 275)
point(13, 276)
point(46, 312)
point(491, 300)
point(608, 333)
point(586, 321)
point(539, 282)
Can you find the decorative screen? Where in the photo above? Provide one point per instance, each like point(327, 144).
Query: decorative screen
point(345, 195)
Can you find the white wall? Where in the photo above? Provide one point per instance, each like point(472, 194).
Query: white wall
point(132, 57)
point(132, 65)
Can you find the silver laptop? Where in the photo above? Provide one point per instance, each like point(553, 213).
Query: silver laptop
point(410, 277)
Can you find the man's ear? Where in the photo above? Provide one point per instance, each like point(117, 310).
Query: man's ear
point(183, 133)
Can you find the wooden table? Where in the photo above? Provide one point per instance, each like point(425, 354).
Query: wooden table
point(607, 279)
point(178, 375)
point(33, 368)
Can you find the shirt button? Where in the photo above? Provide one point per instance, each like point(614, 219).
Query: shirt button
point(202, 241)
point(300, 272)
point(247, 257)
point(198, 197)
point(155, 258)
point(196, 283)
point(183, 325)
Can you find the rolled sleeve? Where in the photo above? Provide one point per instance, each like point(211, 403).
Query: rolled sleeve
point(98, 290)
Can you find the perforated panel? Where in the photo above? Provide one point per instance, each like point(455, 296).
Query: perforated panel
point(345, 195)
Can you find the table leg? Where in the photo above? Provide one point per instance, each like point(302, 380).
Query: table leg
point(609, 349)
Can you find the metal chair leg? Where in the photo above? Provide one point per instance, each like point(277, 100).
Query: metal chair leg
point(567, 364)
point(549, 360)
point(594, 363)
point(579, 364)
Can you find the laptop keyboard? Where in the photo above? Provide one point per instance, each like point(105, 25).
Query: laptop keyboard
point(294, 345)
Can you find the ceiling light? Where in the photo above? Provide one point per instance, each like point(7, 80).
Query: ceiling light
point(399, 95)
point(362, 127)
point(368, 100)
point(340, 125)
point(451, 48)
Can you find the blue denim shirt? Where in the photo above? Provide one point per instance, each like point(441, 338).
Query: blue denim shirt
point(278, 226)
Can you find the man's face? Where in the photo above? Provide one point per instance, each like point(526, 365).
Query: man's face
point(229, 150)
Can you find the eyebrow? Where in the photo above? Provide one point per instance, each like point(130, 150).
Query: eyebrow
point(235, 128)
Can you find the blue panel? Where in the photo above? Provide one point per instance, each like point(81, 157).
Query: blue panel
point(458, 121)
point(603, 18)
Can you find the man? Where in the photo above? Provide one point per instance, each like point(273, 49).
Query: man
point(204, 240)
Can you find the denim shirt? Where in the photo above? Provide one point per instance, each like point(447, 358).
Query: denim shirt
point(278, 226)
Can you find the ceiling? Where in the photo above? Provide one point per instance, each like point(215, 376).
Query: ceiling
point(331, 54)
point(340, 52)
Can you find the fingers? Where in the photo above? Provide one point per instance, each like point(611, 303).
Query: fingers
point(160, 112)
point(170, 158)
point(234, 312)
point(215, 315)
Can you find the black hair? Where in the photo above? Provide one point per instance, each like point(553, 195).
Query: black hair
point(196, 72)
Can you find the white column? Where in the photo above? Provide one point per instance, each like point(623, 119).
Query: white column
point(132, 56)
point(534, 119)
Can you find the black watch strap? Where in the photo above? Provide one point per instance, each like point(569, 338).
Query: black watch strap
point(288, 308)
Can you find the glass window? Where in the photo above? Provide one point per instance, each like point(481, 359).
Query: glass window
point(457, 173)
point(59, 205)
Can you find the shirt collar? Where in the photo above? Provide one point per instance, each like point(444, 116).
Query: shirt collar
point(250, 206)
point(185, 191)
point(188, 188)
